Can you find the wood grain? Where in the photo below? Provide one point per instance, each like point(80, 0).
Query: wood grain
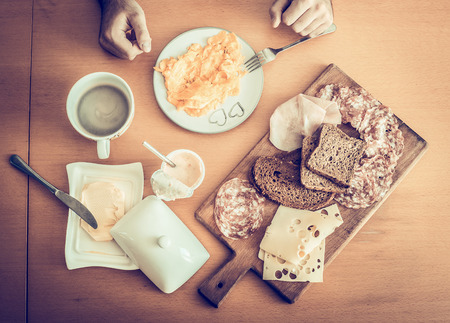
point(393, 269)
point(15, 70)
point(245, 251)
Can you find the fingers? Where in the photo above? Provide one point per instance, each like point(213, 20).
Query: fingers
point(306, 17)
point(306, 23)
point(123, 30)
point(137, 21)
point(116, 42)
point(315, 31)
point(128, 49)
point(277, 9)
point(295, 11)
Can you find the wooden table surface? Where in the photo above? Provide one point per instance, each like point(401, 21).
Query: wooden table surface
point(396, 268)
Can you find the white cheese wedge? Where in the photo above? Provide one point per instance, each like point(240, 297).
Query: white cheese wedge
point(294, 233)
point(310, 268)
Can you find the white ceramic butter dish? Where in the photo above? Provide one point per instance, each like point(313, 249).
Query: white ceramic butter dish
point(81, 249)
point(160, 244)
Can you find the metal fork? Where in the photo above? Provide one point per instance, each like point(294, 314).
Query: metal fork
point(268, 54)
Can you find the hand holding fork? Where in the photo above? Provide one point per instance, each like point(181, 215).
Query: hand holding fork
point(268, 54)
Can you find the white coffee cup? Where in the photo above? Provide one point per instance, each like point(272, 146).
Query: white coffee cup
point(100, 106)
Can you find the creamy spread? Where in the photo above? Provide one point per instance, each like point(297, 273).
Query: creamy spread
point(170, 183)
point(107, 203)
point(188, 169)
point(169, 188)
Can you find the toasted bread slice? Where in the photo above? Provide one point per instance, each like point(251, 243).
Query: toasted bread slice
point(293, 157)
point(336, 155)
point(279, 180)
point(310, 179)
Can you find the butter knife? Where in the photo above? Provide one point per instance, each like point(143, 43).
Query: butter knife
point(68, 200)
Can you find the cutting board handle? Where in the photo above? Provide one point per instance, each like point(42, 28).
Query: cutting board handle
point(217, 287)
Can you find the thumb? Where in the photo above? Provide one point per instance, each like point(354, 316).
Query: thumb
point(142, 35)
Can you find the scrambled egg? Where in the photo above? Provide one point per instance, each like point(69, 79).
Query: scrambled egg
point(200, 80)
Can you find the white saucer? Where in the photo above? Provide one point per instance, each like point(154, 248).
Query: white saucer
point(81, 249)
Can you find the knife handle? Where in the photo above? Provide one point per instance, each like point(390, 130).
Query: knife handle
point(20, 164)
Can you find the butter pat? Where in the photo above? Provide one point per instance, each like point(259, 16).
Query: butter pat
point(107, 203)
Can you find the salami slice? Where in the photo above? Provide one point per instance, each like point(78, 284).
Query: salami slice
point(354, 108)
point(386, 132)
point(379, 128)
point(381, 148)
point(327, 92)
point(361, 192)
point(380, 168)
point(353, 102)
point(238, 209)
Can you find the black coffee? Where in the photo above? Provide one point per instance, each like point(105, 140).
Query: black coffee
point(103, 110)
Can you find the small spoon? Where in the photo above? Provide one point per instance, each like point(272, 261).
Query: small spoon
point(157, 153)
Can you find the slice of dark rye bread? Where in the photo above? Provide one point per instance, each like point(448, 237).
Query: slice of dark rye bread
point(336, 155)
point(279, 180)
point(310, 179)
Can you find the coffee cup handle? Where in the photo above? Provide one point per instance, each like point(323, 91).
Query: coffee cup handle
point(103, 148)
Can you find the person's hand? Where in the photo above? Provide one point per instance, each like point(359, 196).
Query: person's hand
point(306, 17)
point(123, 30)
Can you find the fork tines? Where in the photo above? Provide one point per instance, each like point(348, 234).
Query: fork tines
point(254, 62)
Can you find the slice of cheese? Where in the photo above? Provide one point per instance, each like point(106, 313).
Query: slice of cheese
point(261, 254)
point(294, 233)
point(310, 268)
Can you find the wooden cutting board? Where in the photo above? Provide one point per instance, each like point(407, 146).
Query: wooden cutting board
point(244, 254)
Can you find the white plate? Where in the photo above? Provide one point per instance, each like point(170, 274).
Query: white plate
point(235, 109)
point(81, 249)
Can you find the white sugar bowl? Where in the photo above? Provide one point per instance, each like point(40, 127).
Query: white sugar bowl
point(160, 244)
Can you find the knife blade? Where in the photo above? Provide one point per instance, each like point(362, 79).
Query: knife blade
point(68, 200)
